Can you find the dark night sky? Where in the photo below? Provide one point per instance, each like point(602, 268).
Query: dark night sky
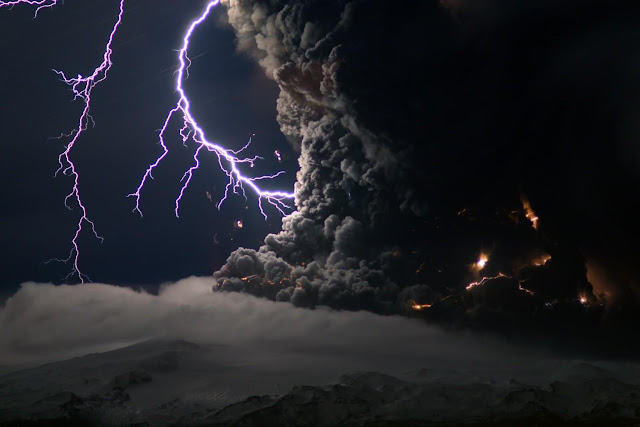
point(419, 139)
point(231, 98)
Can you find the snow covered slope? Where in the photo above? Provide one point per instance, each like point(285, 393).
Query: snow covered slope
point(179, 382)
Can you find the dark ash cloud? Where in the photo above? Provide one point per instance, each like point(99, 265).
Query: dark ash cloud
point(422, 130)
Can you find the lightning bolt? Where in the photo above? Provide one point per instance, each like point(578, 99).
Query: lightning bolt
point(41, 4)
point(228, 160)
point(82, 88)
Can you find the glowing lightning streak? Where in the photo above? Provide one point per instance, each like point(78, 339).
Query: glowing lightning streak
point(42, 4)
point(82, 88)
point(227, 159)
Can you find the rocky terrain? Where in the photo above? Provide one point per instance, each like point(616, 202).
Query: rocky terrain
point(181, 383)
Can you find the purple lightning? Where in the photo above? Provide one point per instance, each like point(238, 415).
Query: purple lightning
point(227, 159)
point(82, 88)
point(42, 4)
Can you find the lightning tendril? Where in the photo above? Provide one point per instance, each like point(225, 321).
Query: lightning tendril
point(82, 87)
point(41, 4)
point(228, 160)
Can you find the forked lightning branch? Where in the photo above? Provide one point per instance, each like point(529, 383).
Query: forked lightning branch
point(229, 161)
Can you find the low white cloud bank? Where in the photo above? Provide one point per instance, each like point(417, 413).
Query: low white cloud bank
point(43, 323)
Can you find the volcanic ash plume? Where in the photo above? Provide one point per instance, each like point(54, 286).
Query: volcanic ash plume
point(417, 191)
point(352, 191)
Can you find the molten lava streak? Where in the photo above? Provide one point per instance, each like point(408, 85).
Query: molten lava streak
point(416, 306)
point(529, 213)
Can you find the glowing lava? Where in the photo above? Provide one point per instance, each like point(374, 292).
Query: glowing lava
point(541, 260)
point(483, 281)
point(228, 160)
point(481, 263)
point(523, 289)
point(529, 213)
point(418, 307)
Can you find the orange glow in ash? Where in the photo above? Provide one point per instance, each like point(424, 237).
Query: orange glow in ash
point(483, 281)
point(530, 292)
point(529, 213)
point(416, 306)
point(482, 261)
point(474, 284)
point(541, 260)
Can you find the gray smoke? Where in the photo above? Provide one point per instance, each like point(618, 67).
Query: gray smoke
point(328, 252)
point(415, 124)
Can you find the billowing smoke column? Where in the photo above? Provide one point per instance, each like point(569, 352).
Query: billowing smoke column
point(327, 253)
point(434, 179)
